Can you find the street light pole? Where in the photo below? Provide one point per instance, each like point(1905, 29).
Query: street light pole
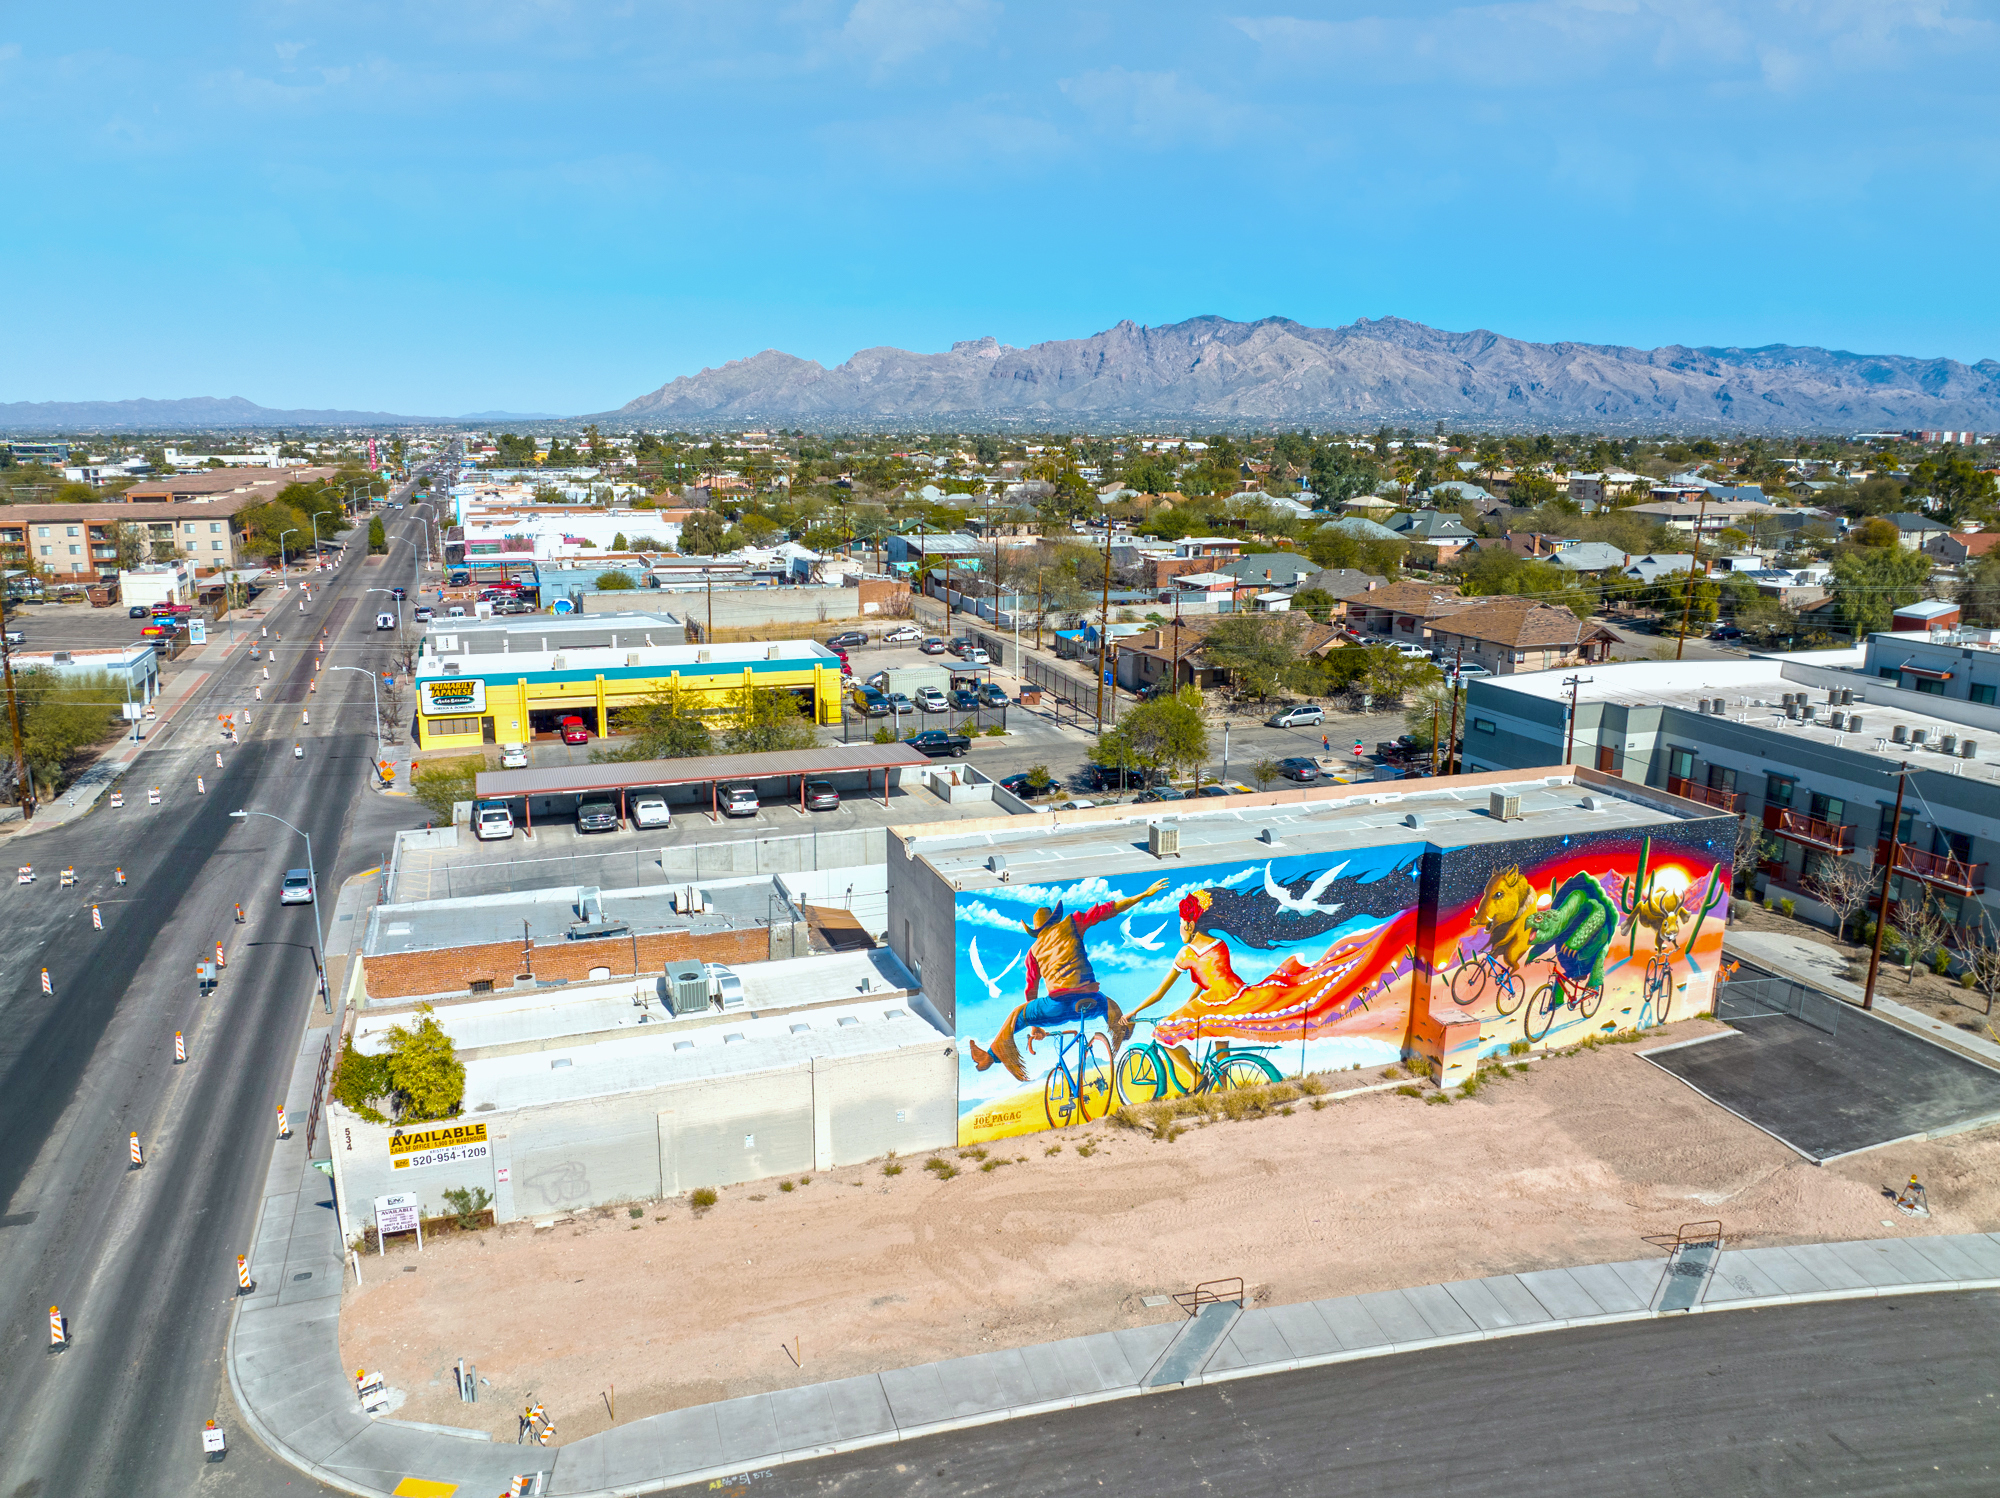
point(283, 571)
point(319, 930)
point(375, 687)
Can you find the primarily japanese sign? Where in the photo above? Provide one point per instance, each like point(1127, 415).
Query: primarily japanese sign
point(453, 695)
point(396, 1214)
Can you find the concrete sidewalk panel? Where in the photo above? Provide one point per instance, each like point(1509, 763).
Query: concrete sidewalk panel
point(619, 1457)
point(1353, 1326)
point(1560, 1294)
point(1305, 1331)
point(823, 1414)
point(916, 1395)
point(1789, 1274)
point(1828, 1267)
point(1254, 1339)
point(1481, 1300)
point(1517, 1301)
point(1614, 1289)
point(1446, 1317)
point(1392, 1311)
point(986, 1382)
point(1737, 1277)
point(1961, 1258)
point(1078, 1366)
point(748, 1429)
point(1889, 1261)
point(1141, 1346)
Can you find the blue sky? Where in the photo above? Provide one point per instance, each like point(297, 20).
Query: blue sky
point(443, 207)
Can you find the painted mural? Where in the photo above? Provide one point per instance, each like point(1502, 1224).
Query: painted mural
point(1548, 940)
point(1076, 998)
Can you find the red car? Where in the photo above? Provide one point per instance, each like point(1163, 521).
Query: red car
point(573, 731)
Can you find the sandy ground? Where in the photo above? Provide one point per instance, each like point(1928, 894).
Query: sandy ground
point(1580, 1159)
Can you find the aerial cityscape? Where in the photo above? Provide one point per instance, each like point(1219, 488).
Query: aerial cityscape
point(950, 749)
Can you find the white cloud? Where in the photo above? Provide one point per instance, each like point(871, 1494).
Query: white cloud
point(1157, 109)
point(889, 33)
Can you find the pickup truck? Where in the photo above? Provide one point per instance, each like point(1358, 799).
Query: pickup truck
point(937, 743)
point(1399, 750)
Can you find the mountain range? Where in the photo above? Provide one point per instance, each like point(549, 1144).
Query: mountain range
point(203, 413)
point(1212, 371)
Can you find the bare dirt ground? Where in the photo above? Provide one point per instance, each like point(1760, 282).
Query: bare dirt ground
point(1580, 1158)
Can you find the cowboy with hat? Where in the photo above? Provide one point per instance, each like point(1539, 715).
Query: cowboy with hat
point(1057, 958)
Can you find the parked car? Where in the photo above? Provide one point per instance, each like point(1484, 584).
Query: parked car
point(1162, 793)
point(821, 796)
point(1305, 715)
point(899, 702)
point(1076, 803)
point(513, 756)
point(1413, 652)
point(1298, 768)
point(1215, 790)
point(297, 888)
point(596, 816)
point(424, 614)
point(902, 634)
point(847, 640)
point(870, 703)
point(573, 731)
point(651, 811)
point(961, 645)
point(1471, 669)
point(1725, 632)
point(1112, 778)
point(936, 743)
point(1020, 786)
point(963, 699)
point(138, 611)
point(514, 606)
point(934, 646)
point(385, 621)
point(492, 821)
point(931, 700)
point(738, 800)
point(992, 694)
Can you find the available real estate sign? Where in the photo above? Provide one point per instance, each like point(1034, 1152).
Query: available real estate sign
point(439, 1146)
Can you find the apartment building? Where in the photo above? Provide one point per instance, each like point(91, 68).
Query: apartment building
point(80, 542)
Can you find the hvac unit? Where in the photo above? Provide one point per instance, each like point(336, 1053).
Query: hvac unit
point(1504, 808)
point(1968, 748)
point(1900, 734)
point(1854, 723)
point(1162, 840)
point(1947, 743)
point(687, 988)
point(1917, 737)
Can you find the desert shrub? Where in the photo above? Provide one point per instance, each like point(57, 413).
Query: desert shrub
point(1518, 1048)
point(702, 1198)
point(784, 1185)
point(892, 1169)
point(1406, 1090)
point(467, 1204)
point(635, 1212)
point(1786, 906)
point(940, 1167)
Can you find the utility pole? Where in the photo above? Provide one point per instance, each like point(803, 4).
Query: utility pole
point(1451, 734)
point(1041, 589)
point(1888, 868)
point(708, 575)
point(14, 713)
point(1104, 627)
point(1569, 736)
point(1687, 593)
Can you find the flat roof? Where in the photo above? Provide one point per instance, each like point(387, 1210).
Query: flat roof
point(576, 779)
point(546, 915)
point(629, 658)
point(1454, 813)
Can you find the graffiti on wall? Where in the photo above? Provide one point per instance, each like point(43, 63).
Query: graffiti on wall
point(1548, 940)
point(1075, 998)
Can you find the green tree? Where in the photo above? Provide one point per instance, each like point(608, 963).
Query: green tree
point(767, 720)
point(1530, 489)
point(1255, 649)
point(659, 728)
point(60, 717)
point(1340, 473)
point(378, 539)
point(702, 534)
point(442, 784)
point(617, 541)
point(1315, 603)
point(613, 581)
point(1870, 583)
point(1979, 591)
point(1168, 732)
point(428, 1077)
point(1961, 485)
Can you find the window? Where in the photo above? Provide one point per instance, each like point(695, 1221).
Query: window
point(1890, 672)
point(1930, 687)
point(435, 726)
point(1778, 792)
point(43, 532)
point(1721, 778)
point(1982, 692)
point(214, 527)
point(1828, 808)
point(1952, 845)
point(1483, 725)
point(1888, 810)
point(74, 549)
point(1680, 763)
point(71, 531)
point(215, 546)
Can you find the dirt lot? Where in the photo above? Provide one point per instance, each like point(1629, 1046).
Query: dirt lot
point(1941, 998)
point(1578, 1159)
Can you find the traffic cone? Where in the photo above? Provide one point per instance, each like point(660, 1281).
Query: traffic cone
point(180, 1048)
point(260, 694)
point(138, 1158)
point(218, 759)
point(244, 1284)
point(58, 1329)
point(284, 1129)
point(267, 677)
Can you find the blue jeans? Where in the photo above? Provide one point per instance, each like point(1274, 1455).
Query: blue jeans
point(1053, 1009)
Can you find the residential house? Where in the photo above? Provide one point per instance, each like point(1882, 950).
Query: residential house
point(1363, 530)
point(1925, 616)
point(1593, 557)
point(1917, 532)
point(1605, 489)
point(1175, 652)
point(1440, 528)
point(1956, 548)
point(1712, 516)
point(1454, 492)
point(1654, 566)
point(1404, 612)
point(1344, 585)
point(1507, 635)
point(1533, 544)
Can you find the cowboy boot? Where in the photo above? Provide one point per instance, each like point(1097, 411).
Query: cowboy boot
point(1120, 1027)
point(1004, 1050)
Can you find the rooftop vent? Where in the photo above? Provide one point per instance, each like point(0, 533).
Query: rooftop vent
point(1847, 696)
point(1414, 820)
point(997, 864)
point(1267, 836)
point(1917, 737)
point(451, 668)
point(1900, 734)
point(1839, 721)
point(1854, 723)
point(1947, 743)
point(1503, 807)
point(633, 658)
point(1162, 840)
point(1968, 748)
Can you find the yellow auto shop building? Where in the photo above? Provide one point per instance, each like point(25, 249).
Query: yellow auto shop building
point(488, 682)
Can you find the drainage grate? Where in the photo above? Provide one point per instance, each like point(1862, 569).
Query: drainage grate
point(306, 1276)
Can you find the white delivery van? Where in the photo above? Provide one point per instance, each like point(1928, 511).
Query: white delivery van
point(492, 821)
point(385, 621)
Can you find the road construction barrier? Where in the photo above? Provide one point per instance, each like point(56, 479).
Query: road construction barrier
point(138, 1156)
point(58, 1328)
point(267, 677)
point(369, 1387)
point(244, 1285)
point(305, 717)
point(25, 874)
point(239, 913)
point(284, 1129)
point(220, 960)
point(218, 759)
point(213, 1445)
point(200, 786)
point(67, 878)
point(1913, 1199)
point(313, 685)
point(180, 1048)
point(47, 987)
point(117, 799)
point(117, 876)
point(153, 796)
point(96, 919)
point(260, 693)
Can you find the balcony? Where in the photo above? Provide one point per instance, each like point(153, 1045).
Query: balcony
point(1811, 832)
point(1941, 870)
point(1680, 785)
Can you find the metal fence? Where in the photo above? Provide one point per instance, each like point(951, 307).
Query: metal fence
point(1768, 998)
point(1077, 693)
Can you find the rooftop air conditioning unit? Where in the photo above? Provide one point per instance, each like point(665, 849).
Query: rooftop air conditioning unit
point(1968, 748)
point(1947, 743)
point(1162, 840)
point(1504, 807)
point(1847, 696)
point(1917, 737)
point(1839, 721)
point(1900, 734)
point(687, 988)
point(632, 658)
point(1854, 723)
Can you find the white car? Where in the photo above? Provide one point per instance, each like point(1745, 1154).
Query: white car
point(931, 700)
point(1077, 803)
point(903, 634)
point(513, 756)
point(385, 621)
point(1413, 652)
point(492, 822)
point(976, 657)
point(297, 889)
point(651, 811)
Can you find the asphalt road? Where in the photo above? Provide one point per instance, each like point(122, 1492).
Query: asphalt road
point(1897, 1396)
point(142, 1261)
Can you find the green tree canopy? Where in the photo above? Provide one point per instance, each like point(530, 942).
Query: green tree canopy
point(1871, 582)
point(768, 720)
point(1168, 732)
point(424, 1070)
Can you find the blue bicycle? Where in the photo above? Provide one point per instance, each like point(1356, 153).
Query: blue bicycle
point(1479, 971)
point(1078, 1087)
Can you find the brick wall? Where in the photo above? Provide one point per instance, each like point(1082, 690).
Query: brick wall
point(398, 975)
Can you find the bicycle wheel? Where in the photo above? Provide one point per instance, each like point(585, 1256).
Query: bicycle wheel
point(1540, 1013)
point(1093, 1078)
point(1507, 997)
point(1588, 1000)
point(1660, 992)
point(1142, 1074)
point(1059, 1096)
point(1239, 1070)
point(1468, 983)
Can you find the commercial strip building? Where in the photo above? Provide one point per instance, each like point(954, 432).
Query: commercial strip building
point(469, 694)
point(1807, 745)
point(133, 670)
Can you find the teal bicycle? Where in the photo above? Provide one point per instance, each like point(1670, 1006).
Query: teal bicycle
point(1146, 1069)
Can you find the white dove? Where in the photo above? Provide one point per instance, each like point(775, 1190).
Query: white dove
point(1150, 942)
point(1308, 903)
point(992, 984)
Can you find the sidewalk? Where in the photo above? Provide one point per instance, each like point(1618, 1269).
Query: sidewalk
point(1819, 966)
